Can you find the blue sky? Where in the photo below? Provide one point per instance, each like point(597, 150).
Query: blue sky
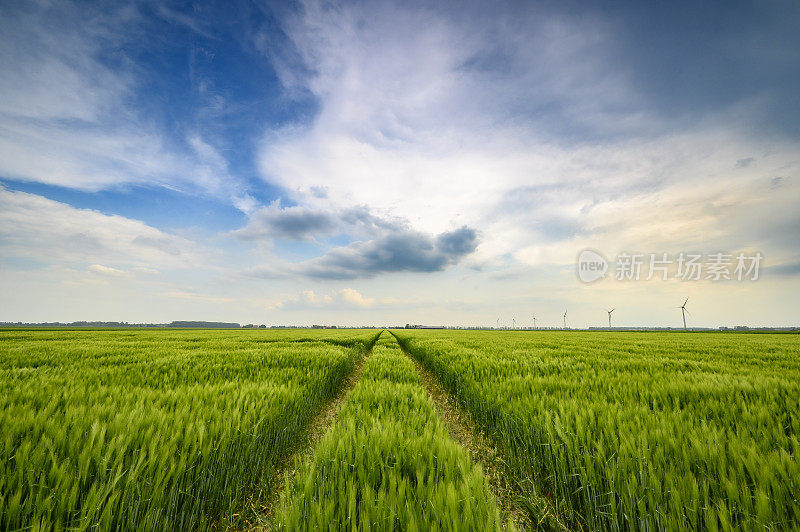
point(393, 162)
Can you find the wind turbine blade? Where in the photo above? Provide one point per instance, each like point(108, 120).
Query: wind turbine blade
point(684, 303)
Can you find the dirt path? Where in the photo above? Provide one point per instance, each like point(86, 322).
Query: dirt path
point(262, 517)
point(459, 425)
point(484, 452)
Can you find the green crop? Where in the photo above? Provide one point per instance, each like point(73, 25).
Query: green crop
point(636, 430)
point(388, 462)
point(154, 430)
point(186, 429)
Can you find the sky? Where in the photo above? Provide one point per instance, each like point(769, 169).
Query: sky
point(374, 163)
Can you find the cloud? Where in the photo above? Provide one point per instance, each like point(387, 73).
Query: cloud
point(192, 296)
point(394, 251)
point(176, 17)
point(163, 243)
point(532, 125)
point(210, 173)
point(71, 112)
point(292, 223)
point(107, 271)
point(407, 251)
point(34, 227)
point(776, 182)
point(344, 298)
point(354, 297)
point(308, 223)
point(541, 128)
point(788, 269)
point(458, 243)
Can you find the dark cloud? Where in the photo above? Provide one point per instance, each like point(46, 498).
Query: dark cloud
point(457, 243)
point(692, 59)
point(291, 223)
point(744, 163)
point(305, 223)
point(395, 251)
point(620, 61)
point(360, 217)
point(789, 269)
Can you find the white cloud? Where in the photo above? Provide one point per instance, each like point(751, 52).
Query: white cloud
point(346, 298)
point(68, 117)
point(353, 297)
point(192, 296)
point(107, 270)
point(518, 123)
point(447, 123)
point(33, 227)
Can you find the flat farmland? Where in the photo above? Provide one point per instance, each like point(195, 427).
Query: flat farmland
point(470, 430)
point(154, 429)
point(626, 430)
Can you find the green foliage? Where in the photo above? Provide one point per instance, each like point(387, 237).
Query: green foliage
point(636, 430)
point(181, 429)
point(388, 462)
point(154, 430)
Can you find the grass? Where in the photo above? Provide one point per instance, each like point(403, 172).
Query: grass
point(185, 429)
point(153, 429)
point(388, 462)
point(636, 431)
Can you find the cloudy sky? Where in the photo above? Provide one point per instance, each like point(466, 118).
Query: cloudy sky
point(393, 162)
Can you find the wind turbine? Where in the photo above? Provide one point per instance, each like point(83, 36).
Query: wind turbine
point(565, 318)
point(684, 311)
point(609, 316)
point(534, 321)
point(513, 323)
point(498, 323)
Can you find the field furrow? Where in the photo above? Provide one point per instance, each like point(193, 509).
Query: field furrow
point(388, 462)
point(263, 517)
point(344, 430)
point(526, 513)
point(635, 431)
point(156, 430)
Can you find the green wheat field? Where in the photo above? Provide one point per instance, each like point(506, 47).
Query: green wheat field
point(213, 430)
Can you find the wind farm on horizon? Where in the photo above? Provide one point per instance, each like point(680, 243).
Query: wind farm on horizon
point(609, 313)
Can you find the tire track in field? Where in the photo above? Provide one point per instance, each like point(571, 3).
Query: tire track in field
point(483, 451)
point(287, 468)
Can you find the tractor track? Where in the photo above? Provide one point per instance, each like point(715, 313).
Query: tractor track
point(484, 452)
point(262, 515)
